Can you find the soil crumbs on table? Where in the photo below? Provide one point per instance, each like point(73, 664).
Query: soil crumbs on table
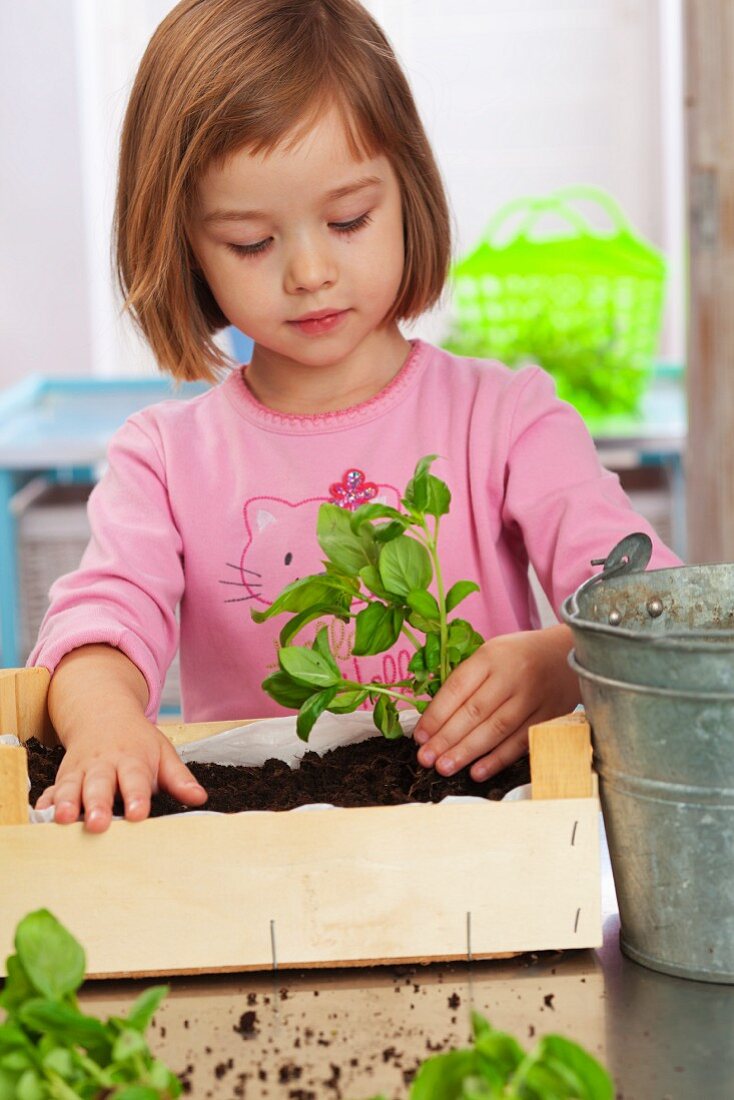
point(375, 772)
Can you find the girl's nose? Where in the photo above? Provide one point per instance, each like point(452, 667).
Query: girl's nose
point(310, 267)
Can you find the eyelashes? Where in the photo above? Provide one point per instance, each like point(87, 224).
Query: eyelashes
point(344, 229)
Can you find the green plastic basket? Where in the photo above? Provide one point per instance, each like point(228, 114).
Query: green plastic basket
point(585, 305)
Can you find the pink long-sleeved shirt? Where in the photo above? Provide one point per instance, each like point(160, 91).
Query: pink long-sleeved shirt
point(211, 504)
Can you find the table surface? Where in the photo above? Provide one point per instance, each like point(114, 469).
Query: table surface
point(351, 1034)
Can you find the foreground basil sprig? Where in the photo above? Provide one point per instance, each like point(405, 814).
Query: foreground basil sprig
point(49, 1049)
point(497, 1068)
point(382, 560)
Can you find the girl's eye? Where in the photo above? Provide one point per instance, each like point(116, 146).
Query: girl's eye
point(250, 249)
point(353, 225)
point(259, 247)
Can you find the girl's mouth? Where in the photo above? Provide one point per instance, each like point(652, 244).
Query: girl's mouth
point(316, 326)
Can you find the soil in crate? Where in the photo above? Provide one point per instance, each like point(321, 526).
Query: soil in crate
point(375, 772)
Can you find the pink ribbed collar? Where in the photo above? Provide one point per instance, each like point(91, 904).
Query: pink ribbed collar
point(304, 423)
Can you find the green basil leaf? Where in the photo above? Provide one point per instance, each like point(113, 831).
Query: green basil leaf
point(464, 637)
point(454, 655)
point(377, 629)
point(373, 582)
point(161, 1078)
point(405, 566)
point(498, 1053)
point(312, 709)
point(424, 604)
point(330, 589)
point(143, 1007)
point(347, 701)
point(60, 1061)
point(423, 465)
point(31, 1087)
point(322, 647)
point(18, 1061)
point(52, 959)
point(386, 718)
point(294, 625)
point(444, 1076)
point(417, 662)
point(433, 652)
point(340, 543)
point(286, 691)
point(459, 592)
point(368, 512)
point(18, 986)
point(8, 1082)
point(581, 1075)
point(129, 1044)
point(307, 667)
point(385, 532)
point(137, 1092)
point(425, 625)
point(66, 1023)
point(12, 1038)
point(425, 493)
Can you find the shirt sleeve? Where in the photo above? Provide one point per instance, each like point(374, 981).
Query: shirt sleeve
point(565, 506)
point(130, 579)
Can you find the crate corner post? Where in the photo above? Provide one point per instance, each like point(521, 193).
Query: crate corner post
point(560, 758)
point(24, 704)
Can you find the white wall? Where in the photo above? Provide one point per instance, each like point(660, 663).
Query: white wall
point(44, 320)
point(518, 96)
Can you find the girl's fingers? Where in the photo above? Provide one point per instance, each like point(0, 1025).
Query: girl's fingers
point(481, 710)
point(506, 753)
point(496, 728)
point(46, 798)
point(454, 694)
point(135, 783)
point(98, 794)
point(175, 777)
point(66, 798)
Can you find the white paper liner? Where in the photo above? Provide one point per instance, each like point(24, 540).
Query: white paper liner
point(276, 738)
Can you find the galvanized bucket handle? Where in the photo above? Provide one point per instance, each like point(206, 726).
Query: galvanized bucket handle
point(631, 555)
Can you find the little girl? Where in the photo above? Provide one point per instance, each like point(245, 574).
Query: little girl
point(274, 175)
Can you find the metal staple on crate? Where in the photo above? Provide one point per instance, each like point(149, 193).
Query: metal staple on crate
point(272, 945)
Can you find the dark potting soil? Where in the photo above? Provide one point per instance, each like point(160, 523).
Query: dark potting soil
point(375, 772)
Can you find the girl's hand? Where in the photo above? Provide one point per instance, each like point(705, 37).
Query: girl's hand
point(483, 711)
point(134, 758)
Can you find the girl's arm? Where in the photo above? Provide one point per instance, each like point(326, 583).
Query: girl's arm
point(97, 701)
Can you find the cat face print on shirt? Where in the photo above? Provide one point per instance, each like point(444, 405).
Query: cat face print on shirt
point(280, 536)
point(280, 546)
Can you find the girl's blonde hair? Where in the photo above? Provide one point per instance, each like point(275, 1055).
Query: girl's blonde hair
point(222, 75)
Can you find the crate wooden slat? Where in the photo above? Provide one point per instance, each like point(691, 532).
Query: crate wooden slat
point(314, 888)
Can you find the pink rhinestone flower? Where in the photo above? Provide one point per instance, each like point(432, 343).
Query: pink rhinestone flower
point(352, 490)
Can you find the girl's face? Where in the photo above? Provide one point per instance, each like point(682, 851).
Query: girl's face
point(309, 230)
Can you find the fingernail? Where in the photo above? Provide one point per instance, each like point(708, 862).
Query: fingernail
point(427, 758)
point(480, 773)
point(134, 805)
point(420, 735)
point(64, 807)
point(94, 815)
point(447, 766)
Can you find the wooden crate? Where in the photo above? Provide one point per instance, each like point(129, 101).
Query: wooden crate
point(335, 887)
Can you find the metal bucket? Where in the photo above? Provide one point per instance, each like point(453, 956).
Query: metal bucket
point(654, 653)
point(663, 628)
point(665, 760)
